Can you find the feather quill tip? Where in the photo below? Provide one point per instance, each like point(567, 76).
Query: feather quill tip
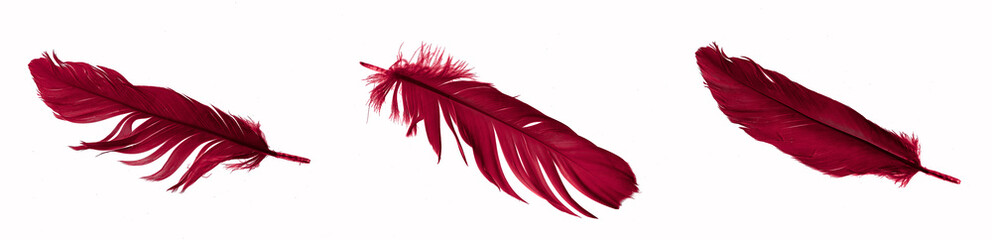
point(941, 176)
point(372, 67)
point(289, 157)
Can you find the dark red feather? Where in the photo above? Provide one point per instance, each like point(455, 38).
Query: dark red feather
point(431, 86)
point(818, 131)
point(81, 93)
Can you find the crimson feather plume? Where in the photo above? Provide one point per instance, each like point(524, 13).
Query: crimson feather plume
point(80, 93)
point(431, 86)
point(818, 131)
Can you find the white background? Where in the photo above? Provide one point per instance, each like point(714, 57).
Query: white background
point(622, 74)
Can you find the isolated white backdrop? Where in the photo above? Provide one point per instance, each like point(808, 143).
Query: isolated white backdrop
point(621, 74)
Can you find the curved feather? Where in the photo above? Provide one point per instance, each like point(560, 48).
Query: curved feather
point(431, 86)
point(818, 131)
point(80, 93)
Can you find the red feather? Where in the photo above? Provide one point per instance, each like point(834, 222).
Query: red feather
point(430, 86)
point(81, 93)
point(818, 131)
